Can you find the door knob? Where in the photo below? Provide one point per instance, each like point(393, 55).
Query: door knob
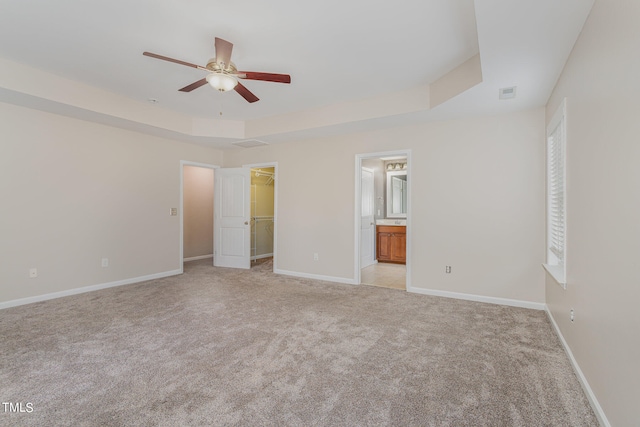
point(246, 223)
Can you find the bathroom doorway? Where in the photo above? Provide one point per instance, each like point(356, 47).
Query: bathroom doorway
point(382, 219)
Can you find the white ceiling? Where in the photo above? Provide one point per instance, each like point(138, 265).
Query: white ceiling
point(336, 52)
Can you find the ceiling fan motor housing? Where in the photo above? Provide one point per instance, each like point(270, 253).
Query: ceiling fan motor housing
point(217, 68)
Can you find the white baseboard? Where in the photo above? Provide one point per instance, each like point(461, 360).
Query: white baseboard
point(316, 276)
point(195, 258)
point(261, 256)
point(479, 298)
point(68, 292)
point(602, 418)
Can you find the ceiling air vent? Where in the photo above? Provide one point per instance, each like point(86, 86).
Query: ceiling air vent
point(249, 143)
point(508, 92)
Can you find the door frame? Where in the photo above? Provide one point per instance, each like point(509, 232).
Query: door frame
point(184, 163)
point(373, 241)
point(276, 181)
point(358, 209)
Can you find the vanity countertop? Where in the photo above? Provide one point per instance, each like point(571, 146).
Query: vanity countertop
point(391, 221)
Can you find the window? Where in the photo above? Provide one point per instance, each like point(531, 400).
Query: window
point(556, 195)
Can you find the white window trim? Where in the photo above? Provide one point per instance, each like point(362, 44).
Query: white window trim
point(557, 269)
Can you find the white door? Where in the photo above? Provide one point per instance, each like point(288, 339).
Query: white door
point(367, 224)
point(231, 218)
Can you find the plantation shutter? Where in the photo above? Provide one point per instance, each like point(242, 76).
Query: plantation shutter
point(556, 191)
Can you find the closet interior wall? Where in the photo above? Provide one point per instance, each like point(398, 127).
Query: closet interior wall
point(262, 210)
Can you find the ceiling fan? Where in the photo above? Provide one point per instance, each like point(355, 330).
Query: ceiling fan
point(223, 74)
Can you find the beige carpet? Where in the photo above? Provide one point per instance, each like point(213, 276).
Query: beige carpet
point(228, 347)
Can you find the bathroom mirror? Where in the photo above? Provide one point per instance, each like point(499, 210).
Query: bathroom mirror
point(397, 194)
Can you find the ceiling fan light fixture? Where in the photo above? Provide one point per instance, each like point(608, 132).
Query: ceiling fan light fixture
point(221, 81)
point(223, 74)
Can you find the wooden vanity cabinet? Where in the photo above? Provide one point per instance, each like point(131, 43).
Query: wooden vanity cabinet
point(391, 243)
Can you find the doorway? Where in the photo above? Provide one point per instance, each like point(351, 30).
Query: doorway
point(196, 211)
point(232, 216)
point(262, 217)
point(382, 219)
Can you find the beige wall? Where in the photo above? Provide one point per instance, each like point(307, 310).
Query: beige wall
point(197, 211)
point(601, 82)
point(74, 192)
point(477, 194)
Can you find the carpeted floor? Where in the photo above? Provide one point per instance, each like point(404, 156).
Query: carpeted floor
point(228, 347)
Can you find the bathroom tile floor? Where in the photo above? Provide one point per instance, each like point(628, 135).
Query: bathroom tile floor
point(385, 275)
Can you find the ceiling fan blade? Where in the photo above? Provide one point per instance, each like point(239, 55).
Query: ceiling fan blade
point(246, 93)
point(177, 61)
point(223, 52)
point(267, 77)
point(194, 85)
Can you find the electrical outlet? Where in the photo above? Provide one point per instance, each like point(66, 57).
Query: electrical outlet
point(447, 269)
point(315, 256)
point(33, 273)
point(105, 262)
point(572, 315)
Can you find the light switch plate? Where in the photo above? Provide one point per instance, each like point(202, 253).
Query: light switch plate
point(173, 211)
